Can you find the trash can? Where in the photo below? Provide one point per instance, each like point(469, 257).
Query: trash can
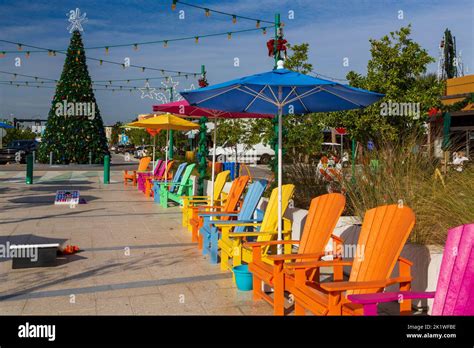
point(234, 169)
point(217, 167)
point(243, 278)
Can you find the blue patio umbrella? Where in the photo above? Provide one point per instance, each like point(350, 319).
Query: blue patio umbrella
point(5, 125)
point(281, 91)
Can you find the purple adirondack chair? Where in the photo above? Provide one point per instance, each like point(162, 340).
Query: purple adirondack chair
point(454, 293)
point(141, 176)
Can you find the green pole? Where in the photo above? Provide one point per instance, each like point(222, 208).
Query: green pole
point(106, 169)
point(202, 149)
point(353, 160)
point(171, 141)
point(276, 55)
point(29, 169)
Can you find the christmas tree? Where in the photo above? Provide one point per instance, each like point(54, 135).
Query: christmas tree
point(74, 132)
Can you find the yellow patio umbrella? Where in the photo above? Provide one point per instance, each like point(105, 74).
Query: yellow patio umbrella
point(168, 122)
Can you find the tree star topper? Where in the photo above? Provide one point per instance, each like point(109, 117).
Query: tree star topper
point(76, 20)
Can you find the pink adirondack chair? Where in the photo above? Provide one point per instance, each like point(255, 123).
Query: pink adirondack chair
point(141, 176)
point(454, 293)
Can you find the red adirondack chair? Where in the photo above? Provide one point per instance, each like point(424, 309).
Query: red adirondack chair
point(454, 293)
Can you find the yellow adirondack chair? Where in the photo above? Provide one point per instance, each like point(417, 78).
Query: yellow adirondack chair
point(193, 201)
point(233, 253)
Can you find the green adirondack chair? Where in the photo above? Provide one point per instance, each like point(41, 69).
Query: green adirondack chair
point(175, 192)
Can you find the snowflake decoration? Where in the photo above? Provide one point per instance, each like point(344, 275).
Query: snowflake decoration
point(148, 92)
point(169, 85)
point(76, 20)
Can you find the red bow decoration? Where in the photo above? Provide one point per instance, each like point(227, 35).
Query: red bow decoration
point(433, 112)
point(281, 46)
point(152, 132)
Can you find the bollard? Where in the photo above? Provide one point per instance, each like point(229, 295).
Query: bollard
point(106, 169)
point(51, 158)
point(29, 169)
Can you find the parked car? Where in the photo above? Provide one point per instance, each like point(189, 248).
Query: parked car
point(121, 148)
point(17, 150)
point(257, 153)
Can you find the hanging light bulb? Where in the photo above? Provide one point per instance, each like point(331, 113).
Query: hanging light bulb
point(135, 47)
point(143, 69)
point(27, 54)
point(196, 39)
point(165, 43)
point(78, 52)
point(258, 24)
point(173, 5)
point(264, 31)
point(110, 82)
point(2, 54)
point(229, 35)
point(123, 66)
point(106, 50)
point(54, 53)
point(162, 72)
point(208, 13)
point(101, 62)
point(128, 81)
point(234, 19)
point(20, 47)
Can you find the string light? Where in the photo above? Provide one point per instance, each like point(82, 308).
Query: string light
point(27, 54)
point(257, 24)
point(135, 47)
point(20, 47)
point(2, 54)
point(101, 62)
point(173, 5)
point(229, 35)
point(264, 31)
point(208, 13)
point(143, 69)
point(106, 50)
point(234, 19)
point(196, 39)
point(165, 43)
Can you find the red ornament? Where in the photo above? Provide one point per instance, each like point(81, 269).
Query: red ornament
point(203, 82)
point(281, 46)
point(433, 112)
point(341, 130)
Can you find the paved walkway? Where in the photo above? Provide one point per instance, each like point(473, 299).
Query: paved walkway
point(137, 257)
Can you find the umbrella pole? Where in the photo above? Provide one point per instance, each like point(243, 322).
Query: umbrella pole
point(166, 157)
point(280, 112)
point(154, 142)
point(213, 161)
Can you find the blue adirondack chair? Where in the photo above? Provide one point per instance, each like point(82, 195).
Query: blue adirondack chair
point(176, 179)
point(210, 233)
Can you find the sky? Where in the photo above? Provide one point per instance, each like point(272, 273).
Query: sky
point(334, 29)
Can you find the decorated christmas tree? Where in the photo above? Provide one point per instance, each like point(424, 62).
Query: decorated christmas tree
point(74, 132)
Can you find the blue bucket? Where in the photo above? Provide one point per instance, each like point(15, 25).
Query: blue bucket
point(243, 278)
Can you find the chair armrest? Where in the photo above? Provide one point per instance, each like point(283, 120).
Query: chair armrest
point(390, 296)
point(254, 234)
point(285, 257)
point(343, 286)
point(317, 264)
point(271, 242)
point(216, 213)
point(235, 223)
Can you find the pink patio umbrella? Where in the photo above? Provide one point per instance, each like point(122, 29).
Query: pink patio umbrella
point(183, 108)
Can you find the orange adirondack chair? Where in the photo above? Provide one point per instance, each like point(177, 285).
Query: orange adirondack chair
point(323, 214)
point(149, 179)
point(230, 206)
point(142, 166)
point(384, 232)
